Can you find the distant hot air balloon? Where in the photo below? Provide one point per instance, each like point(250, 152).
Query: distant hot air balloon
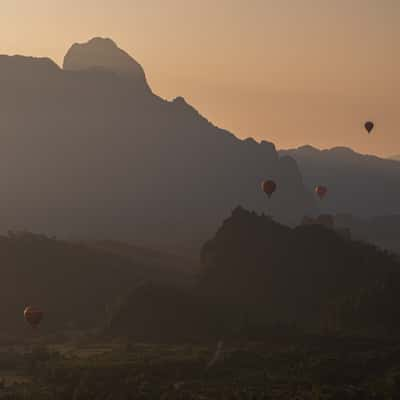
point(369, 126)
point(321, 191)
point(268, 187)
point(33, 316)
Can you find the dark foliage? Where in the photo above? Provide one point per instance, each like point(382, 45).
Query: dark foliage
point(159, 313)
point(77, 285)
point(310, 275)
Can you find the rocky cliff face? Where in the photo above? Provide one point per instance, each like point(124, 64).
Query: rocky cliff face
point(89, 151)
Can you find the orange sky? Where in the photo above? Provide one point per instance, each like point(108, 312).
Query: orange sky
point(289, 71)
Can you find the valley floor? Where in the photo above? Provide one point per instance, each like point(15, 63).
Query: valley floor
point(306, 367)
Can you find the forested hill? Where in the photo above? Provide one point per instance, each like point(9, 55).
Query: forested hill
point(258, 272)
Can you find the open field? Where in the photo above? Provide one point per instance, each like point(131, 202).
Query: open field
point(276, 368)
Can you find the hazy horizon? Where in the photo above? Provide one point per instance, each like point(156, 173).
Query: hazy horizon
point(293, 74)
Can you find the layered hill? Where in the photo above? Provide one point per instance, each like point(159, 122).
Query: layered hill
point(78, 285)
point(88, 151)
point(259, 273)
point(358, 184)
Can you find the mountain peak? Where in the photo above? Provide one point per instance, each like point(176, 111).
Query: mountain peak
point(100, 41)
point(103, 53)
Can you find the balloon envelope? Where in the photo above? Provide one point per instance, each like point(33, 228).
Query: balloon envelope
point(369, 126)
point(268, 187)
point(321, 191)
point(33, 316)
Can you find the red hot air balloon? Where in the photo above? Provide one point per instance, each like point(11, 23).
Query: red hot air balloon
point(369, 126)
point(33, 316)
point(321, 191)
point(268, 187)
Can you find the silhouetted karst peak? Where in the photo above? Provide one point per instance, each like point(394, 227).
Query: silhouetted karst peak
point(102, 53)
point(267, 270)
point(135, 165)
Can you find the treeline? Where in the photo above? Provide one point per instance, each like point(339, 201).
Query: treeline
point(311, 276)
point(256, 274)
point(259, 275)
point(77, 285)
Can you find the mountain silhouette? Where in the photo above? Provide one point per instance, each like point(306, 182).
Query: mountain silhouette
point(88, 151)
point(77, 284)
point(257, 274)
point(103, 54)
point(270, 272)
point(358, 184)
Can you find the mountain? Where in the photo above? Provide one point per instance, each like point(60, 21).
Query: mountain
point(270, 272)
point(103, 54)
point(358, 184)
point(89, 152)
point(78, 285)
point(257, 274)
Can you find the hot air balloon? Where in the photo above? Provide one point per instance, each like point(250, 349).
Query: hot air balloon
point(369, 126)
point(33, 316)
point(321, 191)
point(268, 187)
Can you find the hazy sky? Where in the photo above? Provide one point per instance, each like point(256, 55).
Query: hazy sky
point(289, 71)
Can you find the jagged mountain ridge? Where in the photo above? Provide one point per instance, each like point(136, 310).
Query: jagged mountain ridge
point(280, 272)
point(88, 151)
